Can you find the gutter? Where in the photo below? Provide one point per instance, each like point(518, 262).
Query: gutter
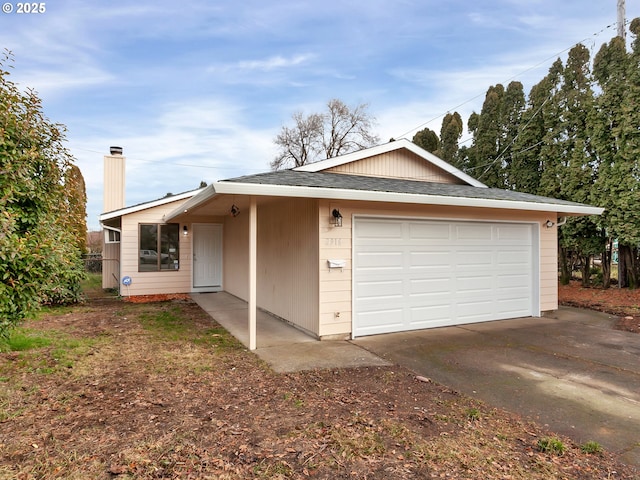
point(234, 188)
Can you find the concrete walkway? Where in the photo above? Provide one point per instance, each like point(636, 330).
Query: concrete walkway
point(284, 347)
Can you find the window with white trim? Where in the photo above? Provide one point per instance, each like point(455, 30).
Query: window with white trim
point(111, 236)
point(159, 247)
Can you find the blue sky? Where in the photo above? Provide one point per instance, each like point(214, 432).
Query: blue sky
point(197, 90)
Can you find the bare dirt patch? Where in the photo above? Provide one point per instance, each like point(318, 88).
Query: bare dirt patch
point(159, 390)
point(622, 302)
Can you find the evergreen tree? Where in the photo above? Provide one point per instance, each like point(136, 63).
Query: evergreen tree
point(513, 107)
point(525, 169)
point(494, 131)
point(613, 128)
point(76, 206)
point(467, 159)
point(551, 150)
point(427, 139)
point(486, 139)
point(574, 172)
point(450, 133)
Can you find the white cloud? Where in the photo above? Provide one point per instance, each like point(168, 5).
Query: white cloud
point(189, 142)
point(249, 67)
point(272, 63)
point(49, 83)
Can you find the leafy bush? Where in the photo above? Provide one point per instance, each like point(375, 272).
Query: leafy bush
point(40, 255)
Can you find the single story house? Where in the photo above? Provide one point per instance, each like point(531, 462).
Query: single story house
point(386, 239)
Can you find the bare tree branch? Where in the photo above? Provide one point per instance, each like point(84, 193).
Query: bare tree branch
point(318, 136)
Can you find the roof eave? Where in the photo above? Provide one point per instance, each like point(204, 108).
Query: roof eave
point(144, 206)
point(203, 196)
point(236, 188)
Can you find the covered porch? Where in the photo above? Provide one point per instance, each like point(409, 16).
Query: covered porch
point(267, 260)
point(281, 345)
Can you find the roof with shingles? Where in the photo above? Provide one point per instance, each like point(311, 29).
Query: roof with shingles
point(295, 178)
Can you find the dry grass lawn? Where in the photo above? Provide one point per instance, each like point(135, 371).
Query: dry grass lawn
point(158, 390)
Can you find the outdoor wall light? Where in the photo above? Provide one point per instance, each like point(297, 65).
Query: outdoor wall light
point(185, 231)
point(235, 210)
point(549, 224)
point(336, 218)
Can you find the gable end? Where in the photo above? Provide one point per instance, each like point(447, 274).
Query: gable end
point(401, 164)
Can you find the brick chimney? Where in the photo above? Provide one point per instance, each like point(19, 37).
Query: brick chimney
point(114, 180)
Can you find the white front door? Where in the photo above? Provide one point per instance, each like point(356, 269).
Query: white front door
point(207, 257)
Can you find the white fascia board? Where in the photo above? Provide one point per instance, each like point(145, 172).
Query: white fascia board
point(389, 147)
point(203, 195)
point(234, 188)
point(145, 206)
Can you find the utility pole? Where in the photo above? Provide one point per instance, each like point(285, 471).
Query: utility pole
point(621, 20)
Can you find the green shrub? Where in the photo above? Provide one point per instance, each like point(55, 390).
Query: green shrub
point(551, 445)
point(591, 447)
point(40, 201)
point(473, 414)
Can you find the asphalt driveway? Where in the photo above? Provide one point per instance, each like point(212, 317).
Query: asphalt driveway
point(569, 370)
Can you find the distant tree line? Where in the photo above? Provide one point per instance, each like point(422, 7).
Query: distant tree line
point(575, 137)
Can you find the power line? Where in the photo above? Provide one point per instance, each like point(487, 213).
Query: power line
point(554, 56)
point(504, 150)
point(133, 159)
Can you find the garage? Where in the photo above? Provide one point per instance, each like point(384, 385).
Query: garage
point(414, 274)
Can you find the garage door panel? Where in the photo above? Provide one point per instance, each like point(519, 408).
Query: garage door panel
point(381, 320)
point(512, 308)
point(513, 234)
point(431, 260)
point(473, 258)
point(514, 258)
point(431, 286)
point(383, 289)
point(373, 231)
point(473, 232)
point(380, 260)
point(478, 310)
point(429, 231)
point(474, 285)
point(426, 317)
point(515, 295)
point(516, 280)
point(424, 274)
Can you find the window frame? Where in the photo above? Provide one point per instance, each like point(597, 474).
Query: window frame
point(111, 235)
point(162, 242)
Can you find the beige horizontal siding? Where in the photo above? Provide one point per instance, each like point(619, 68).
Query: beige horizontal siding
point(335, 303)
point(397, 164)
point(548, 265)
point(148, 283)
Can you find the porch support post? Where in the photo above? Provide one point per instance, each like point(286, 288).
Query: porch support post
point(253, 254)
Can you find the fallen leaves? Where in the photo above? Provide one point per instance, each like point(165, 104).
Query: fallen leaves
point(140, 406)
point(621, 302)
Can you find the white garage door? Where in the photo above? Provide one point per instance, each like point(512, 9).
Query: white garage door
point(414, 274)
